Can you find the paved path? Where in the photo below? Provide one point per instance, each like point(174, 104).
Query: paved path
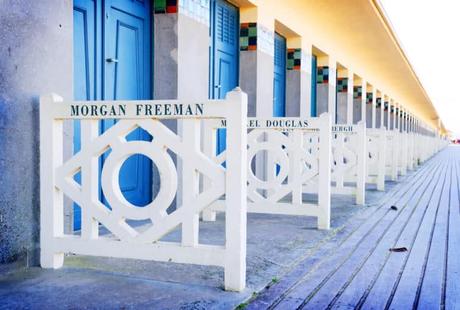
point(356, 269)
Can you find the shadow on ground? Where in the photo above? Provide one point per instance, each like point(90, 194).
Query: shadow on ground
point(275, 245)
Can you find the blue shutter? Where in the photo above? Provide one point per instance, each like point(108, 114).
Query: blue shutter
point(279, 77)
point(314, 70)
point(224, 54)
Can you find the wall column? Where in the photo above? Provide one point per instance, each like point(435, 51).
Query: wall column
point(36, 58)
point(386, 113)
point(350, 97)
point(326, 86)
point(364, 99)
point(256, 61)
point(181, 71)
point(379, 111)
point(369, 108)
point(374, 108)
point(305, 76)
point(392, 114)
point(298, 78)
point(357, 100)
point(343, 96)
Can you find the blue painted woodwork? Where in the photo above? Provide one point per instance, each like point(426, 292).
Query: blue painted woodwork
point(224, 54)
point(314, 70)
point(279, 77)
point(336, 92)
point(84, 56)
point(127, 40)
point(124, 35)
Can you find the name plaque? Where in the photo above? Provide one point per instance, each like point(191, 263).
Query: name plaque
point(275, 123)
point(139, 109)
point(343, 128)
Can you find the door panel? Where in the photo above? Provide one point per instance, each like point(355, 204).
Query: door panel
point(314, 72)
point(84, 57)
point(120, 30)
point(127, 77)
point(224, 53)
point(279, 77)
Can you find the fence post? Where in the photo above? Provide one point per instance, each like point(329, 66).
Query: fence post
point(325, 157)
point(89, 180)
point(382, 160)
point(361, 167)
point(190, 180)
point(209, 148)
point(404, 153)
point(51, 199)
point(295, 171)
point(394, 156)
point(236, 192)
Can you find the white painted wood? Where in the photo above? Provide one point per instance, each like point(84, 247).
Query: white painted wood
point(348, 165)
point(376, 157)
point(235, 193)
point(125, 240)
point(51, 198)
point(301, 149)
point(90, 179)
point(392, 152)
point(325, 172)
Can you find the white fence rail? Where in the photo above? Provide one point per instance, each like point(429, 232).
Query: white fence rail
point(284, 155)
point(126, 240)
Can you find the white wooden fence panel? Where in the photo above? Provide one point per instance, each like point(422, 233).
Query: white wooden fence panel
point(300, 154)
point(125, 240)
point(349, 160)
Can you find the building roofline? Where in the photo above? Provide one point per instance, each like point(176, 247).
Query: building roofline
point(378, 7)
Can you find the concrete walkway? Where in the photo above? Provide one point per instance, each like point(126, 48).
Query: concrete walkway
point(290, 263)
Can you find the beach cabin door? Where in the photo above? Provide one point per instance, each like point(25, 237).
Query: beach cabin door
point(113, 61)
point(279, 78)
point(224, 53)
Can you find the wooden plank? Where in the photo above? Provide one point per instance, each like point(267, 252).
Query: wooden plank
point(432, 286)
point(452, 284)
point(336, 283)
point(381, 290)
point(297, 295)
point(352, 292)
point(408, 284)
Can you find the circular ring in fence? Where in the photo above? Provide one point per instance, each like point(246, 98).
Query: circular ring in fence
point(111, 186)
point(279, 157)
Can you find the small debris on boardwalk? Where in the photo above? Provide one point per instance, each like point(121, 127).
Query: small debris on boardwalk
point(394, 208)
point(402, 249)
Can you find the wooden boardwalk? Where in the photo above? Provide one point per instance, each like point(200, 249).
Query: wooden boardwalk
point(356, 269)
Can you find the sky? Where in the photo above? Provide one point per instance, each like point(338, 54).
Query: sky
point(429, 33)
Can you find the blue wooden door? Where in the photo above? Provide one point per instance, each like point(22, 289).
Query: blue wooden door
point(112, 47)
point(85, 32)
point(127, 57)
point(314, 72)
point(279, 77)
point(224, 53)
